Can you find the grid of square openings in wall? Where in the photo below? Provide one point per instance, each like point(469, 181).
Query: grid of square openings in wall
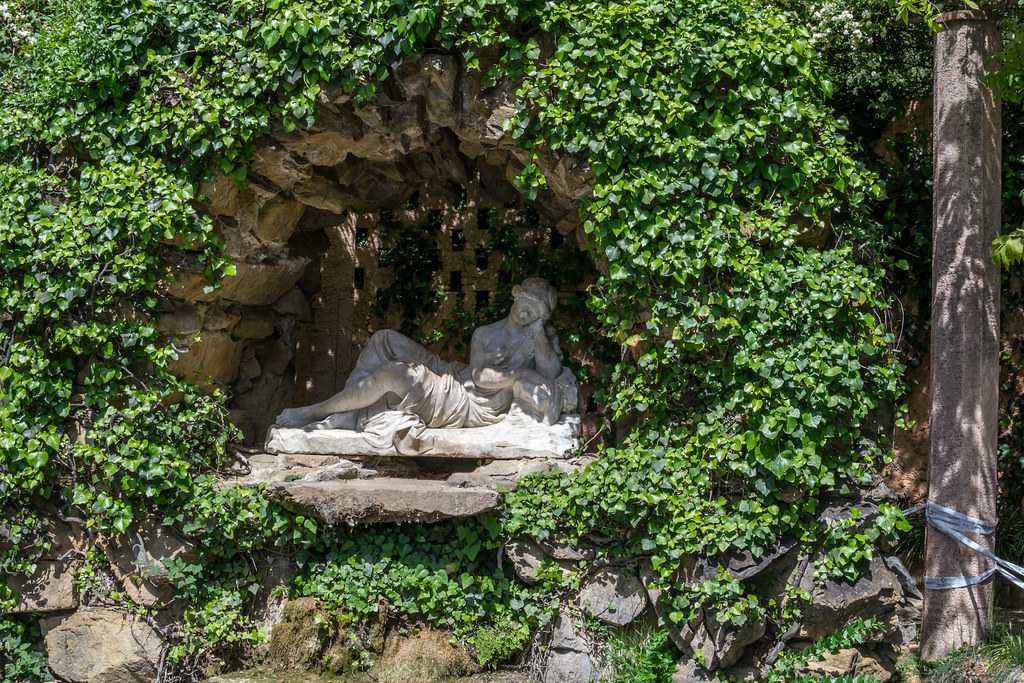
point(417, 265)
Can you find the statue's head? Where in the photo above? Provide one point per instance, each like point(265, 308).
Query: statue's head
point(533, 299)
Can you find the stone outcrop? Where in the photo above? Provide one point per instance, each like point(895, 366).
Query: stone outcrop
point(884, 591)
point(877, 593)
point(102, 646)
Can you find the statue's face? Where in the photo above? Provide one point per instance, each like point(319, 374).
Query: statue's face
point(526, 309)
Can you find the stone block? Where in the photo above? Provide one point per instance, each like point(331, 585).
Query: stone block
point(526, 557)
point(253, 284)
point(722, 645)
point(294, 304)
point(51, 588)
point(181, 320)
point(565, 636)
point(689, 671)
point(321, 193)
point(568, 667)
point(213, 357)
point(137, 562)
point(222, 194)
point(852, 661)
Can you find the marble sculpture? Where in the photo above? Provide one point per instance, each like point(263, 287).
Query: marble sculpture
point(399, 392)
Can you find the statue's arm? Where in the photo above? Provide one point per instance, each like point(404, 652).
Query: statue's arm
point(485, 376)
point(547, 354)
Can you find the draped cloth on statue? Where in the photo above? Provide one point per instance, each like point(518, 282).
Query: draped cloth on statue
point(443, 396)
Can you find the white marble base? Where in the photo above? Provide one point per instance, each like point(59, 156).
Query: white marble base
point(516, 437)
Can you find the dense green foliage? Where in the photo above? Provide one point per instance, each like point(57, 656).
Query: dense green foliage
point(744, 276)
point(443, 574)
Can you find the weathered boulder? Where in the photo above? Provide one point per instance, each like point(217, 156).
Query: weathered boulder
point(565, 635)
point(102, 646)
point(721, 645)
point(569, 657)
point(876, 593)
point(371, 501)
point(679, 634)
point(614, 596)
point(565, 551)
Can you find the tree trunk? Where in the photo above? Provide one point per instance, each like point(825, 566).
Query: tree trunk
point(965, 324)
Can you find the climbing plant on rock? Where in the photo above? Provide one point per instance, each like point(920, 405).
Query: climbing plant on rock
point(744, 275)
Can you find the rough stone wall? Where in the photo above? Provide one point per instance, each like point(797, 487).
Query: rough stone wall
point(321, 243)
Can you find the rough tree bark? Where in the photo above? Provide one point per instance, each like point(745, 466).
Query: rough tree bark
point(965, 322)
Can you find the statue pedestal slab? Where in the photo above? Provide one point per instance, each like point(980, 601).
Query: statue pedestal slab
point(374, 501)
point(514, 438)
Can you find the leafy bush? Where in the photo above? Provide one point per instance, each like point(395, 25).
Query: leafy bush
point(443, 574)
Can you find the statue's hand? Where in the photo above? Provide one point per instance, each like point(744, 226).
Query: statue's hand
point(292, 417)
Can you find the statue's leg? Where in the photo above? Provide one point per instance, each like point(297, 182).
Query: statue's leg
point(389, 378)
point(538, 395)
point(389, 346)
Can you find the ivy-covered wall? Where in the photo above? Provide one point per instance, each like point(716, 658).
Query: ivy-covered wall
point(744, 266)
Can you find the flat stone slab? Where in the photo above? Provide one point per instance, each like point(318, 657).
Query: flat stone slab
point(385, 499)
point(509, 439)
